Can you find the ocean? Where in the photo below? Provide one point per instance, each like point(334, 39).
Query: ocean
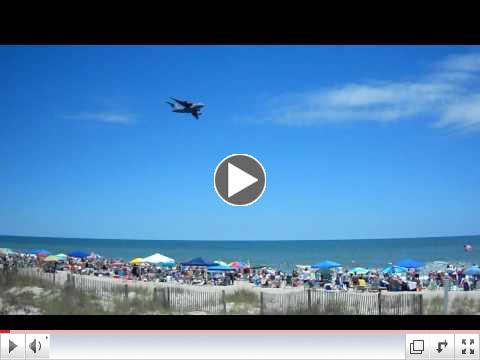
point(283, 255)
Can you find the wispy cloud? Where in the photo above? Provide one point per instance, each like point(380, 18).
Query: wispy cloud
point(106, 117)
point(449, 94)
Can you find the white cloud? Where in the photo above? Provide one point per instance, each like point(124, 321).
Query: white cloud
point(462, 63)
point(444, 94)
point(107, 117)
point(464, 114)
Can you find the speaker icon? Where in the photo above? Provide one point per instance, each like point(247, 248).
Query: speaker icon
point(35, 346)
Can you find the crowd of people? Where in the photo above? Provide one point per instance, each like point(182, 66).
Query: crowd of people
point(340, 279)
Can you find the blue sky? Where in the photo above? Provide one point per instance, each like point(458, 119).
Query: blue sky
point(357, 141)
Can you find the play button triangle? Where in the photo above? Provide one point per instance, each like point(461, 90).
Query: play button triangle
point(238, 180)
point(11, 346)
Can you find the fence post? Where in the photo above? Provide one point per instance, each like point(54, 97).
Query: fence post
point(155, 295)
point(421, 303)
point(445, 296)
point(379, 302)
point(261, 303)
point(125, 291)
point(309, 300)
point(224, 302)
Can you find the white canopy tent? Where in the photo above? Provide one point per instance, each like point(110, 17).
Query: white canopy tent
point(158, 259)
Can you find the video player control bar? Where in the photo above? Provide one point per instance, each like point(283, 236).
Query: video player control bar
point(238, 345)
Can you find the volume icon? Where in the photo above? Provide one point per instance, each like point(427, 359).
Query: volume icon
point(35, 346)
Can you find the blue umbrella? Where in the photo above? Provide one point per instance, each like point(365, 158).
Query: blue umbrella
point(220, 268)
point(474, 270)
point(410, 264)
point(326, 264)
point(394, 270)
point(78, 254)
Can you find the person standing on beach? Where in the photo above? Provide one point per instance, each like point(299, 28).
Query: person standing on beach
point(345, 280)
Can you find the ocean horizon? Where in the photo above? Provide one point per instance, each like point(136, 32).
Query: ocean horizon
point(281, 254)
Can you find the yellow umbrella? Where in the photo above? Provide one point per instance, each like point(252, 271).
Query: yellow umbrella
point(51, 258)
point(136, 261)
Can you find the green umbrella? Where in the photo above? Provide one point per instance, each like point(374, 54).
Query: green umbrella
point(359, 270)
point(51, 258)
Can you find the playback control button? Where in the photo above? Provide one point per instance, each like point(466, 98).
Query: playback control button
point(37, 346)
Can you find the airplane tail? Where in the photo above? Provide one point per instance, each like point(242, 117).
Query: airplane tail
point(171, 104)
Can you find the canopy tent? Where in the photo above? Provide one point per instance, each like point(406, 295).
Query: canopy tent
point(7, 251)
point(78, 254)
point(158, 259)
point(410, 264)
point(136, 261)
point(394, 270)
point(474, 270)
point(51, 258)
point(197, 262)
point(220, 268)
point(359, 270)
point(326, 264)
point(41, 252)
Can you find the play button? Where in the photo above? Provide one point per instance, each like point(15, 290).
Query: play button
point(240, 180)
point(11, 346)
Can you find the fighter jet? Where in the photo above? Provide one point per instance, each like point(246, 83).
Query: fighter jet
point(185, 106)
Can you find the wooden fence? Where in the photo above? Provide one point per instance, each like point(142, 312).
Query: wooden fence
point(181, 298)
point(313, 301)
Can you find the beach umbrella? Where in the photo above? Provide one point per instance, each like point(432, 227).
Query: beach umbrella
point(219, 262)
point(326, 264)
point(93, 256)
point(159, 259)
point(78, 254)
point(410, 264)
point(61, 257)
point(359, 270)
point(394, 270)
point(474, 270)
point(219, 268)
point(7, 251)
point(41, 252)
point(136, 261)
point(237, 264)
point(197, 262)
point(51, 258)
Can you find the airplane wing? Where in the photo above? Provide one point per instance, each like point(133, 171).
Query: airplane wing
point(183, 103)
point(195, 114)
